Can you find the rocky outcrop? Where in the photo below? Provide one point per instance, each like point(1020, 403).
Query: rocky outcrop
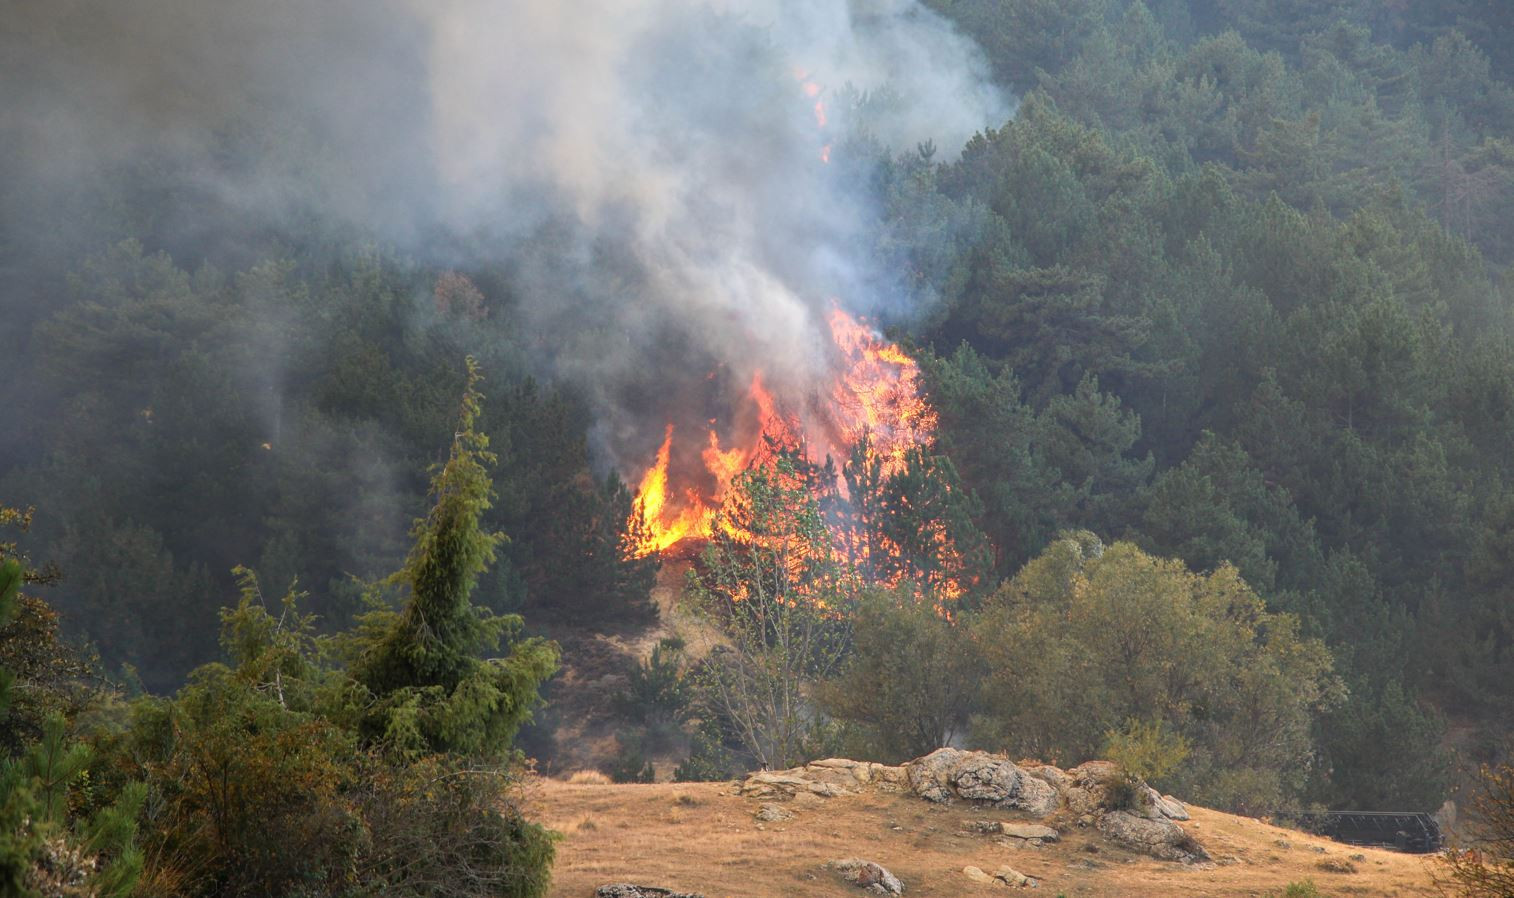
point(1096, 794)
point(772, 813)
point(826, 779)
point(1160, 838)
point(1004, 876)
point(1029, 831)
point(626, 890)
point(868, 875)
point(948, 773)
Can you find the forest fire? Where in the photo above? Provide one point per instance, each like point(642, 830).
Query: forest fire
point(875, 393)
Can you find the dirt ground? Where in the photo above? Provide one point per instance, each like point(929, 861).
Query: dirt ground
point(702, 837)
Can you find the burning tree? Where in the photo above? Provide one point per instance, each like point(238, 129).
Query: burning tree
point(899, 513)
point(771, 581)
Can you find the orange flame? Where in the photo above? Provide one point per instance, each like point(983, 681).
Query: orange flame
point(663, 528)
point(874, 392)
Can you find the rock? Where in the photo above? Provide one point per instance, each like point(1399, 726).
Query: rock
point(978, 776)
point(772, 813)
point(777, 779)
point(1091, 774)
point(930, 777)
point(792, 783)
point(1037, 797)
point(978, 876)
point(1160, 839)
point(1159, 805)
point(889, 778)
point(626, 890)
point(1081, 801)
point(1012, 877)
point(868, 875)
point(982, 778)
point(1336, 865)
point(839, 763)
point(1052, 776)
point(1029, 831)
point(1171, 808)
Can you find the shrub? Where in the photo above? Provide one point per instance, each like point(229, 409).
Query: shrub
point(1086, 637)
point(908, 681)
point(1146, 751)
point(656, 692)
point(708, 759)
point(631, 764)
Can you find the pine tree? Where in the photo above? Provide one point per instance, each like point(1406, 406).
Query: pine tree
point(421, 665)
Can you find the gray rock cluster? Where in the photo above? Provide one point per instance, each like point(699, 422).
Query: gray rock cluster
point(626, 890)
point(1096, 794)
point(868, 876)
point(948, 773)
point(826, 779)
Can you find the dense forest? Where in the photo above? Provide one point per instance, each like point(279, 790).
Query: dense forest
point(1216, 324)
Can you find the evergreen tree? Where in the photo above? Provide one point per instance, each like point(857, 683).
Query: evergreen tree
point(431, 692)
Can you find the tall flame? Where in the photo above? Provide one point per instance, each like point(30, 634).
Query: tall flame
point(874, 392)
point(662, 527)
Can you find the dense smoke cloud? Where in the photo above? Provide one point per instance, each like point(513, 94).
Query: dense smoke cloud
point(649, 171)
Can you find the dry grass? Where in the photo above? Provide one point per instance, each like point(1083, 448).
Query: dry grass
point(701, 837)
point(588, 778)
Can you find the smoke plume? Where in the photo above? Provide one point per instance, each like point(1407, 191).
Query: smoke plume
point(670, 183)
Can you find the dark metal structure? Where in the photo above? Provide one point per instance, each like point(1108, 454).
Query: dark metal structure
point(1405, 831)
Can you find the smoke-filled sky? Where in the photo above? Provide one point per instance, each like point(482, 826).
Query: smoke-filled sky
point(650, 171)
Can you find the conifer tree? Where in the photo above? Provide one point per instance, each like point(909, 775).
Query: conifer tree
point(431, 690)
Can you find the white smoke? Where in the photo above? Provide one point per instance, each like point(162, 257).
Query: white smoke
point(682, 133)
point(649, 171)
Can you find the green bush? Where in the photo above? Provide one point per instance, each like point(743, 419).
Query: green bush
point(657, 692)
point(1146, 751)
point(631, 764)
point(708, 759)
point(908, 683)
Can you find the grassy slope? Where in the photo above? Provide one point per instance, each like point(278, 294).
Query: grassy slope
point(702, 837)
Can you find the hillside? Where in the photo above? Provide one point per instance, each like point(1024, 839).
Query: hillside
point(705, 838)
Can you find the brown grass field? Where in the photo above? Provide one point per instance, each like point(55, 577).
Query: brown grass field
point(702, 837)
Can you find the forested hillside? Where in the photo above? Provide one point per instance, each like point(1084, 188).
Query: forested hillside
point(1217, 319)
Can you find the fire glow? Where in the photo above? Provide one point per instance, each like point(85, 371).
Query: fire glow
point(874, 393)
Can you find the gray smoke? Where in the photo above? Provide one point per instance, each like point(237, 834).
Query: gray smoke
point(649, 171)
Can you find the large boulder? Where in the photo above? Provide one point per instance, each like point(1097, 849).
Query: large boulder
point(825, 779)
point(948, 773)
point(1159, 838)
